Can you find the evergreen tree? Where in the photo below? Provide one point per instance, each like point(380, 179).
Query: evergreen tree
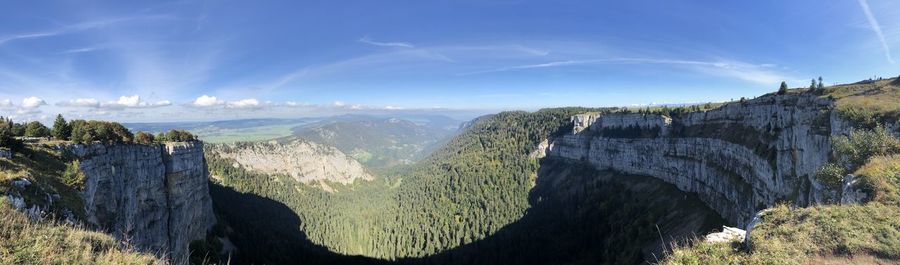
point(61, 129)
point(821, 85)
point(813, 85)
point(783, 89)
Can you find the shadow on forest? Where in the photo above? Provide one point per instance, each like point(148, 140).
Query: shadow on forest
point(578, 216)
point(269, 232)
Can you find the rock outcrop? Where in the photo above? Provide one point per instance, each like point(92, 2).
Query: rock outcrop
point(303, 160)
point(154, 197)
point(739, 158)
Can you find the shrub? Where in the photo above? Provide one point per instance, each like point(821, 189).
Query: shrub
point(73, 176)
point(831, 174)
point(36, 129)
point(179, 136)
point(144, 138)
point(856, 149)
point(103, 131)
point(882, 175)
point(7, 136)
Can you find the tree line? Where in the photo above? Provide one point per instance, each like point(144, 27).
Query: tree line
point(83, 131)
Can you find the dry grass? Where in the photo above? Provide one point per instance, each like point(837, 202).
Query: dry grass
point(882, 174)
point(865, 104)
point(26, 242)
point(44, 168)
point(797, 236)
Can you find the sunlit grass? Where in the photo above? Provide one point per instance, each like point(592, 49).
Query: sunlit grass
point(25, 242)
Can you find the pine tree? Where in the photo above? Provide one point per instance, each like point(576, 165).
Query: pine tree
point(783, 89)
point(61, 129)
point(813, 85)
point(821, 86)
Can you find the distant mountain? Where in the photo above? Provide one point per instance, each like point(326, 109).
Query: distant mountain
point(382, 141)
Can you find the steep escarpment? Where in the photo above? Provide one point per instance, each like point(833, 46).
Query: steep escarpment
point(303, 160)
point(155, 197)
point(739, 158)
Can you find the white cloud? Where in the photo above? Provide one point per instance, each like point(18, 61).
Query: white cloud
point(32, 102)
point(366, 40)
point(80, 102)
point(206, 101)
point(132, 101)
point(339, 104)
point(877, 29)
point(6, 103)
point(123, 102)
point(27, 111)
point(243, 104)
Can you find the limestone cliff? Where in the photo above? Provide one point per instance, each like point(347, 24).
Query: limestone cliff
point(155, 197)
point(739, 158)
point(303, 160)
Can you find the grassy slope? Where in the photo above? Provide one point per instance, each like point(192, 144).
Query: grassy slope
point(43, 167)
point(26, 242)
point(864, 104)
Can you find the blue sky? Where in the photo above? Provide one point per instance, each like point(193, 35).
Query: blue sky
point(207, 60)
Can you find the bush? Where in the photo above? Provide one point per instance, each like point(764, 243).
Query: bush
point(855, 150)
point(73, 176)
point(7, 137)
point(831, 174)
point(882, 175)
point(177, 136)
point(144, 138)
point(36, 129)
point(103, 131)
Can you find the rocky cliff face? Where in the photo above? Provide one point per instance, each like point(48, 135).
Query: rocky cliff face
point(303, 160)
point(155, 197)
point(739, 158)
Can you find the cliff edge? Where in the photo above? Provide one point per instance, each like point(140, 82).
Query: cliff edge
point(154, 197)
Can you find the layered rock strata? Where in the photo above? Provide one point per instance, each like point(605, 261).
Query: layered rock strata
point(739, 158)
point(154, 197)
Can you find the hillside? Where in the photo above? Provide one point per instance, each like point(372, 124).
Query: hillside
point(381, 142)
point(303, 160)
point(25, 242)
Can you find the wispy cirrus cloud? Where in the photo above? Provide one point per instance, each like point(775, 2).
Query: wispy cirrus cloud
point(758, 73)
point(366, 40)
point(873, 23)
point(81, 26)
